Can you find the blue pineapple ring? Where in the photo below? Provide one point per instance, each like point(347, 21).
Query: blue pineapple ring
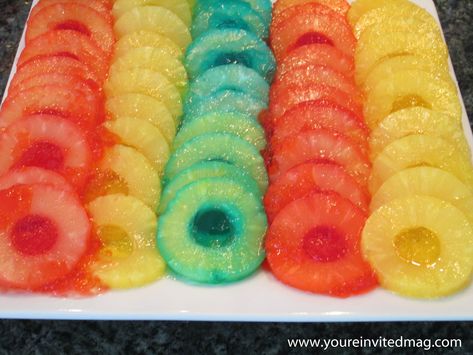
point(229, 46)
point(219, 14)
point(228, 77)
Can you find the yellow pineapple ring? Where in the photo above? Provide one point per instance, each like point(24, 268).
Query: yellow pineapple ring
point(378, 43)
point(360, 7)
point(140, 39)
point(141, 178)
point(142, 136)
point(143, 107)
point(154, 19)
point(419, 150)
point(394, 65)
point(425, 181)
point(417, 120)
point(156, 60)
point(395, 15)
point(419, 247)
point(410, 88)
point(181, 8)
point(127, 228)
point(146, 82)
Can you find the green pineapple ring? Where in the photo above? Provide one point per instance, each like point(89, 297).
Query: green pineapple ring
point(225, 101)
point(202, 170)
point(212, 231)
point(244, 126)
point(223, 147)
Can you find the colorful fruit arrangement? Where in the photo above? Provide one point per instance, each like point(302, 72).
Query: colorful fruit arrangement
point(212, 221)
point(81, 167)
point(48, 146)
point(115, 116)
point(318, 162)
point(419, 237)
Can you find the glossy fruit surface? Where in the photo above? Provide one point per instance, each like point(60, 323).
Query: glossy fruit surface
point(307, 178)
point(419, 247)
point(310, 249)
point(322, 146)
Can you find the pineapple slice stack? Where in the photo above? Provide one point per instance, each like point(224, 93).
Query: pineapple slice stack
point(144, 90)
point(419, 238)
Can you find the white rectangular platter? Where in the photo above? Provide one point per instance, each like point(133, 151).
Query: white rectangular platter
point(260, 298)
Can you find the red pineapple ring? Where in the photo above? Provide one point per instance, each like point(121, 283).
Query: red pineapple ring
point(306, 178)
point(47, 142)
point(317, 54)
point(321, 114)
point(307, 24)
point(314, 245)
point(320, 145)
point(70, 16)
point(42, 239)
point(67, 43)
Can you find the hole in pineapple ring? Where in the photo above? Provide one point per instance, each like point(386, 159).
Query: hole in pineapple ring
point(324, 244)
point(116, 242)
point(105, 182)
point(418, 246)
point(42, 155)
point(408, 101)
point(311, 38)
point(213, 228)
point(232, 58)
point(34, 235)
point(73, 26)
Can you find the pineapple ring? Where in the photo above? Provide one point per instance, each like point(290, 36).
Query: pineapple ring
point(229, 46)
point(213, 230)
point(419, 150)
point(141, 178)
point(146, 82)
point(424, 89)
point(142, 136)
point(155, 19)
point(143, 107)
point(447, 265)
point(219, 146)
point(140, 39)
point(361, 7)
point(202, 170)
point(395, 15)
point(378, 43)
point(417, 120)
point(180, 8)
point(156, 60)
point(244, 126)
point(340, 6)
point(67, 15)
point(425, 181)
point(49, 142)
point(33, 176)
point(390, 66)
point(46, 242)
point(127, 227)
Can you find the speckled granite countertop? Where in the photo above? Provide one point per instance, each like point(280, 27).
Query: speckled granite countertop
point(58, 337)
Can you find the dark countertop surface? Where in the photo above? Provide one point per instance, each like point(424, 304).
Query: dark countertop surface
point(55, 337)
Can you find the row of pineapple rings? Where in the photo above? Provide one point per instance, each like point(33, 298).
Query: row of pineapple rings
point(212, 220)
point(144, 93)
point(419, 238)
